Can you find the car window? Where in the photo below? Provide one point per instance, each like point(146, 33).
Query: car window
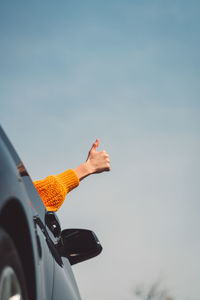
point(29, 186)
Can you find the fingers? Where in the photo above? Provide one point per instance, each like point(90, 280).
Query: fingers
point(95, 145)
point(106, 160)
point(107, 168)
point(104, 153)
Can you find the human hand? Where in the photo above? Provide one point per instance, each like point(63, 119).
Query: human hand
point(97, 161)
point(22, 170)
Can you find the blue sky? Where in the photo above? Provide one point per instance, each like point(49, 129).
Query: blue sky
point(128, 73)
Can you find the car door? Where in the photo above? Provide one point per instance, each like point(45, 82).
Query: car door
point(49, 231)
point(55, 279)
point(43, 259)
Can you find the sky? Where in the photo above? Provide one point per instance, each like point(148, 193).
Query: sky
point(126, 72)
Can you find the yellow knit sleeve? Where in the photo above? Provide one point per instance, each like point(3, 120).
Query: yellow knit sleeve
point(54, 188)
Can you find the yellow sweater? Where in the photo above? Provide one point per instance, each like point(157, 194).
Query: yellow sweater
point(53, 189)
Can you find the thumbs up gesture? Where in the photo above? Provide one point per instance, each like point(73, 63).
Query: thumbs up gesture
point(97, 161)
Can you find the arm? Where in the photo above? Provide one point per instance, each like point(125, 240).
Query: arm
point(54, 189)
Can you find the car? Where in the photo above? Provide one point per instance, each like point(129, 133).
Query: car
point(36, 255)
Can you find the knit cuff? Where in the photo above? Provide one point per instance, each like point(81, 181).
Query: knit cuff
point(69, 179)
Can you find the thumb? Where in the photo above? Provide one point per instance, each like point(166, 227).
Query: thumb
point(95, 146)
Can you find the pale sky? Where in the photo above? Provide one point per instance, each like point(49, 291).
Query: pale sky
point(126, 72)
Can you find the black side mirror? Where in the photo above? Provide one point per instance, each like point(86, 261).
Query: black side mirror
point(79, 245)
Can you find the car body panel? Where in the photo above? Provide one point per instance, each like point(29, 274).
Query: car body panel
point(53, 276)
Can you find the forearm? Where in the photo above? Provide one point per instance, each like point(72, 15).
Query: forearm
point(53, 189)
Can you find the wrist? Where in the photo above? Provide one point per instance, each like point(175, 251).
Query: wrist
point(83, 171)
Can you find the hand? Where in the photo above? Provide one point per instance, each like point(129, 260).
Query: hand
point(97, 162)
point(22, 170)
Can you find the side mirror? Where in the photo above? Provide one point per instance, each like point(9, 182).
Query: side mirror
point(79, 245)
